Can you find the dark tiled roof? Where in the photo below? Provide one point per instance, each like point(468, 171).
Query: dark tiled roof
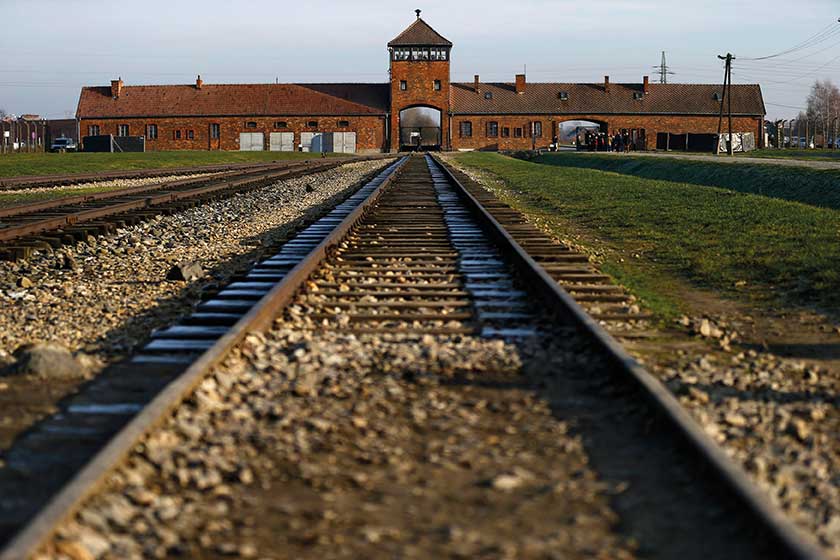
point(674, 99)
point(235, 99)
point(418, 34)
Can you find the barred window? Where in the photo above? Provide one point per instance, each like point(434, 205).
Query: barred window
point(466, 129)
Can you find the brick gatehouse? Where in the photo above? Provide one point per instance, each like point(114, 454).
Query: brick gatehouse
point(420, 106)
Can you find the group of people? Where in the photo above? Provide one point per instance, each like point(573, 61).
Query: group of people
point(603, 142)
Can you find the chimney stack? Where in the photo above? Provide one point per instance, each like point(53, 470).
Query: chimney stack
point(476, 87)
point(607, 84)
point(198, 82)
point(116, 88)
point(520, 83)
point(646, 85)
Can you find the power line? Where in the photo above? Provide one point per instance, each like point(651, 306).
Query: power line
point(821, 36)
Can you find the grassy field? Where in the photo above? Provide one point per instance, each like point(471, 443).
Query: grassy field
point(810, 186)
point(817, 155)
point(656, 235)
point(12, 165)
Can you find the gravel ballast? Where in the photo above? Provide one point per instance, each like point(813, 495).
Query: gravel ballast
point(101, 301)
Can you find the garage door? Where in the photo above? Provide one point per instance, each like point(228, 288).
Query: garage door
point(344, 142)
point(316, 141)
point(251, 141)
point(281, 142)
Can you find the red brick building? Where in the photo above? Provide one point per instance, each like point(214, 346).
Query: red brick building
point(419, 106)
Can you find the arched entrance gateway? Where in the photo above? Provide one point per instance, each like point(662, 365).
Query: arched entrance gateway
point(420, 128)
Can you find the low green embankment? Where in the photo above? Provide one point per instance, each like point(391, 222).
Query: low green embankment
point(12, 165)
point(810, 186)
point(657, 234)
point(788, 153)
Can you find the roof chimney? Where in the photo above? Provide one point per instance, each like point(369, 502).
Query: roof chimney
point(646, 85)
point(520, 83)
point(476, 87)
point(116, 88)
point(198, 82)
point(607, 84)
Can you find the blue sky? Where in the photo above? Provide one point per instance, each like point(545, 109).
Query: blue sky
point(50, 48)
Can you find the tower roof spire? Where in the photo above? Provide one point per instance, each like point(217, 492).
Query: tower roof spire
point(418, 13)
point(419, 34)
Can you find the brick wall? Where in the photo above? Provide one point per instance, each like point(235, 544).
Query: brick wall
point(650, 123)
point(420, 77)
point(370, 131)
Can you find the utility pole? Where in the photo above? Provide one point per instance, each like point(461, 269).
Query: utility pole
point(726, 96)
point(662, 70)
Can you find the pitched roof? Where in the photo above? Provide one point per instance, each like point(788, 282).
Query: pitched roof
point(418, 34)
point(235, 99)
point(674, 99)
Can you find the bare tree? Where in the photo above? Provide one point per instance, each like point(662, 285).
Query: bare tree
point(823, 106)
point(3, 113)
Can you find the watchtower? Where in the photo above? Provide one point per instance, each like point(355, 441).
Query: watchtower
point(419, 67)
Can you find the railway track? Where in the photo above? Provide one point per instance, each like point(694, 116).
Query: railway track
point(49, 224)
point(412, 253)
point(38, 181)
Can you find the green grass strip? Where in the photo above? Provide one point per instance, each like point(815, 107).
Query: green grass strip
point(13, 165)
point(810, 186)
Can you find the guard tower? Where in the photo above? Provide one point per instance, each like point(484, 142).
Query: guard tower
point(419, 88)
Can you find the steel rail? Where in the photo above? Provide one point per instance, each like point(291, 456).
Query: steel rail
point(34, 181)
point(35, 534)
point(27, 208)
point(71, 218)
point(793, 541)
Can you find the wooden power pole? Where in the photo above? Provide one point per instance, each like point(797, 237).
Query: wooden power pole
point(726, 96)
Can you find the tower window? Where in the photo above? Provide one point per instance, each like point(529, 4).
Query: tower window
point(403, 85)
point(312, 124)
point(437, 85)
point(466, 129)
point(280, 124)
point(492, 129)
point(343, 124)
point(251, 124)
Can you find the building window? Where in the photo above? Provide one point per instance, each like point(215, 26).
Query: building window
point(438, 53)
point(93, 130)
point(563, 95)
point(191, 135)
point(505, 132)
point(280, 124)
point(176, 134)
point(122, 130)
point(638, 95)
point(250, 124)
point(420, 53)
point(402, 54)
point(537, 129)
point(517, 132)
point(214, 131)
point(403, 85)
point(312, 124)
point(466, 129)
point(151, 131)
point(492, 129)
point(437, 85)
point(343, 124)
point(488, 95)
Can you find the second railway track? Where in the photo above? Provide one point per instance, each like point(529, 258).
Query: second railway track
point(415, 256)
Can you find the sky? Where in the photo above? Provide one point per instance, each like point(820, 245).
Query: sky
point(49, 49)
